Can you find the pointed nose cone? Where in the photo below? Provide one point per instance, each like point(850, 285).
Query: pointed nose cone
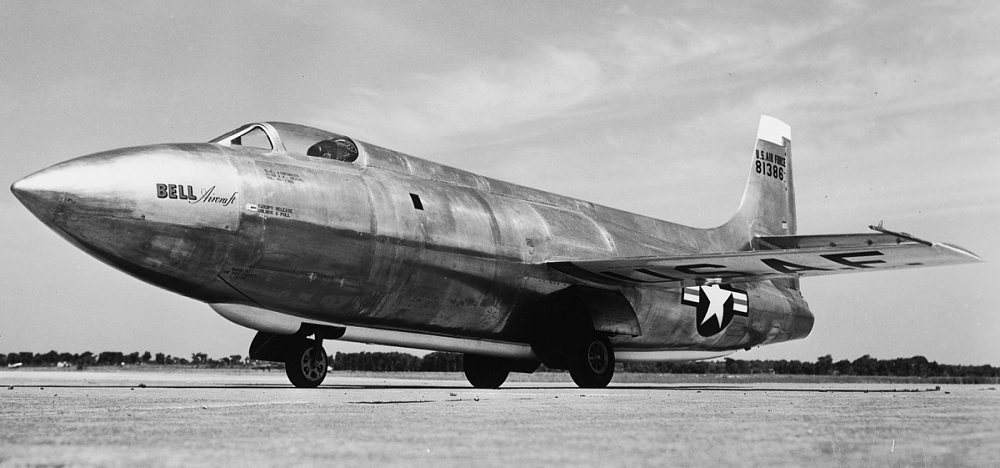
point(74, 199)
point(40, 193)
point(165, 213)
point(71, 189)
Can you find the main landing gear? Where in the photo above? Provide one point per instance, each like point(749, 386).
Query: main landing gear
point(567, 339)
point(491, 371)
point(485, 371)
point(589, 358)
point(591, 361)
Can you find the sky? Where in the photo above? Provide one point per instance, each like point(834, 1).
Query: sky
point(650, 107)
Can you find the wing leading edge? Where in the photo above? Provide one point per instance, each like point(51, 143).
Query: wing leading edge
point(773, 257)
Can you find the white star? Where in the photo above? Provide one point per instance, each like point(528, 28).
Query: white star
point(717, 298)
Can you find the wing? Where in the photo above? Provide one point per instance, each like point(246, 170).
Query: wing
point(774, 257)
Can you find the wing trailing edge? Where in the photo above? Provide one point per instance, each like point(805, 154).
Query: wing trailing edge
point(773, 257)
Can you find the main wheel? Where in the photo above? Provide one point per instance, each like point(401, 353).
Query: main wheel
point(592, 362)
point(484, 371)
point(305, 364)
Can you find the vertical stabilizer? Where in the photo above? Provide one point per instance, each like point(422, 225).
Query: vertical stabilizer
point(768, 204)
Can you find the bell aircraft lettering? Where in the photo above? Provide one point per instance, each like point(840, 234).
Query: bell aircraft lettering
point(208, 196)
point(185, 192)
point(314, 236)
point(175, 191)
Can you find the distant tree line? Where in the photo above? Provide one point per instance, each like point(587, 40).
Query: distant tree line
point(364, 361)
point(917, 366)
point(116, 358)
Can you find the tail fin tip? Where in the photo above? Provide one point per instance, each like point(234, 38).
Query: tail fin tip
point(773, 130)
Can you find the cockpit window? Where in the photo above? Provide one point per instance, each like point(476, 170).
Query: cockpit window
point(315, 142)
point(340, 149)
point(299, 139)
point(252, 136)
point(255, 138)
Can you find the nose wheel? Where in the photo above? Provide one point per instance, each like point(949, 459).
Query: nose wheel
point(305, 363)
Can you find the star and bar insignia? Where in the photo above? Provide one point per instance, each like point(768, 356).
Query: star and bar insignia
point(716, 305)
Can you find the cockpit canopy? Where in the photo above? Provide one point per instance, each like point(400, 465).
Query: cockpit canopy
point(280, 136)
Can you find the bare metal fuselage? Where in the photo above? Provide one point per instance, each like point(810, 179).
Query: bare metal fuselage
point(387, 242)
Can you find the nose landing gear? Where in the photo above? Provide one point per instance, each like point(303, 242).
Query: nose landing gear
point(305, 359)
point(305, 363)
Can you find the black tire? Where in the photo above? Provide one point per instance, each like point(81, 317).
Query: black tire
point(305, 364)
point(484, 371)
point(592, 362)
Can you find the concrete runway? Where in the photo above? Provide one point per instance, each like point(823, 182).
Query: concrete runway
point(217, 418)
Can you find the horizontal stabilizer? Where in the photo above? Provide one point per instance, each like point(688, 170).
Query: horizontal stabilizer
point(774, 257)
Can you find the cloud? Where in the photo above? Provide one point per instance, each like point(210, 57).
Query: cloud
point(627, 87)
point(619, 67)
point(549, 82)
point(482, 96)
point(625, 10)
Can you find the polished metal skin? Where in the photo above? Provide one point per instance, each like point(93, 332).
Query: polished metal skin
point(296, 232)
